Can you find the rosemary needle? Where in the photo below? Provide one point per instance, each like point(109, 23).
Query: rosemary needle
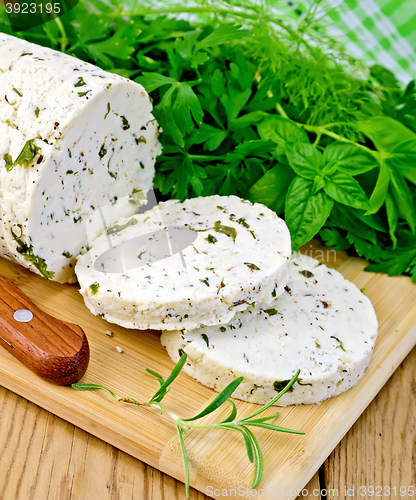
point(231, 423)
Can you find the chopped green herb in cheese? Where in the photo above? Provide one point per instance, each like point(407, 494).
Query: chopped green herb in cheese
point(27, 252)
point(26, 156)
point(94, 288)
point(229, 231)
point(126, 124)
point(80, 82)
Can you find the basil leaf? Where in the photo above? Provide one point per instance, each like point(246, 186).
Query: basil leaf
point(350, 158)
point(376, 221)
point(404, 158)
point(410, 173)
point(380, 191)
point(403, 197)
point(318, 184)
point(385, 77)
point(392, 217)
point(305, 213)
point(385, 132)
point(346, 190)
point(271, 189)
point(305, 160)
point(405, 108)
point(346, 218)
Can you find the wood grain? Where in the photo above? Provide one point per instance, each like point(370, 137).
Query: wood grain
point(217, 460)
point(382, 443)
point(44, 457)
point(53, 349)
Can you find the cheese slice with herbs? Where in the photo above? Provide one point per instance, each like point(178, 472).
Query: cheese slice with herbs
point(322, 324)
point(72, 138)
point(183, 265)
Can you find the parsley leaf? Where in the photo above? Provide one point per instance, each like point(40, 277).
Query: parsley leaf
point(334, 239)
point(400, 260)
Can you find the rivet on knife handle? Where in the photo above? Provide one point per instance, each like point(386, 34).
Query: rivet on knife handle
point(53, 349)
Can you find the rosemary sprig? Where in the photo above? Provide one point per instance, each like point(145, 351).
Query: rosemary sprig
point(231, 423)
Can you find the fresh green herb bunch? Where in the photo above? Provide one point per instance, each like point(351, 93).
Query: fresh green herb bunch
point(231, 423)
point(263, 104)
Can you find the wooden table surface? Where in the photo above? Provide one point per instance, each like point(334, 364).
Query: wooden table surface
point(42, 457)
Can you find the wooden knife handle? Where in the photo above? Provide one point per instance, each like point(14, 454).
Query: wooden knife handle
point(53, 349)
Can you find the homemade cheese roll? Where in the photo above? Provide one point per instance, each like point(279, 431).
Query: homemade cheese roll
point(322, 324)
point(72, 138)
point(183, 265)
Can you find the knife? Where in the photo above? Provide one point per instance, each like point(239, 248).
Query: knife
point(53, 349)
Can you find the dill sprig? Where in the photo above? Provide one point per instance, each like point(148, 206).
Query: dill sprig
point(311, 70)
point(231, 423)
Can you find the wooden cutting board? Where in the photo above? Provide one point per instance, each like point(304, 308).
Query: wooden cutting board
point(218, 459)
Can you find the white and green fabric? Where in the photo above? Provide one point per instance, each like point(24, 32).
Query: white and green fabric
point(374, 31)
point(378, 31)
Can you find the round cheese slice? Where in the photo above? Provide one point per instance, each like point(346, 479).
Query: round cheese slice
point(183, 265)
point(72, 139)
point(322, 324)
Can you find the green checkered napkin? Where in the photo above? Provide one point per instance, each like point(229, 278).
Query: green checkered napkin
point(379, 31)
point(374, 31)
